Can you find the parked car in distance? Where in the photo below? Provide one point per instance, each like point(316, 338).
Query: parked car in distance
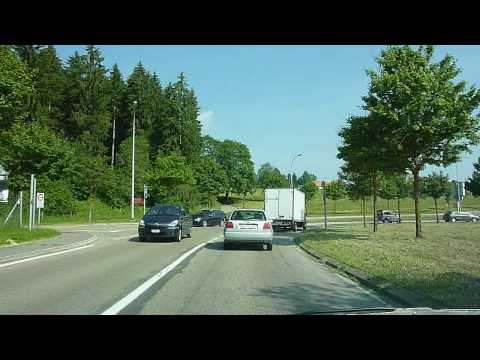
point(387, 216)
point(248, 226)
point(453, 216)
point(209, 218)
point(165, 221)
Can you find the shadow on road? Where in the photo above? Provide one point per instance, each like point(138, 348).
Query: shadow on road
point(218, 246)
point(296, 298)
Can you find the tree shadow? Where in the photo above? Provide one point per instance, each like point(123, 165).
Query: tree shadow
point(447, 290)
point(297, 297)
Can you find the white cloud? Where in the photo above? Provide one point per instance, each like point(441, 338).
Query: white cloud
point(206, 119)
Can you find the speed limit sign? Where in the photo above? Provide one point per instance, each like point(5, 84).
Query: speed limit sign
point(40, 200)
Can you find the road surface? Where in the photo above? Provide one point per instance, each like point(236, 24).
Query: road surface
point(117, 274)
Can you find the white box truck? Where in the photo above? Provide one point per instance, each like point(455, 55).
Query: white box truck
point(285, 208)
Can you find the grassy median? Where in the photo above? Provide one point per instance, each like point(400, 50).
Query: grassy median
point(21, 235)
point(443, 267)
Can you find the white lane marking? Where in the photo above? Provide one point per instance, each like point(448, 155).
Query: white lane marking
point(127, 300)
point(44, 256)
point(100, 231)
point(67, 246)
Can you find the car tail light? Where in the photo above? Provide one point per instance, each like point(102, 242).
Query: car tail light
point(229, 225)
point(267, 226)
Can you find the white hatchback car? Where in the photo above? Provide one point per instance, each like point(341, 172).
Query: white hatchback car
point(248, 226)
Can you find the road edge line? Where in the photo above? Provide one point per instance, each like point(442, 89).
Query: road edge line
point(35, 253)
point(44, 256)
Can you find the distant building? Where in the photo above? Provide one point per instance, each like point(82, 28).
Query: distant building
point(318, 184)
point(3, 185)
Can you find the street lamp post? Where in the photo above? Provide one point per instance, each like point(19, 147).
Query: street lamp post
point(113, 137)
point(293, 192)
point(133, 162)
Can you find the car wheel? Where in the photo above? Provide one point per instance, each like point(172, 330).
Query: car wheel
point(474, 220)
point(453, 220)
point(141, 238)
point(204, 223)
point(385, 221)
point(269, 247)
point(179, 236)
point(189, 235)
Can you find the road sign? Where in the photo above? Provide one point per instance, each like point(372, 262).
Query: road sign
point(145, 191)
point(40, 200)
point(138, 201)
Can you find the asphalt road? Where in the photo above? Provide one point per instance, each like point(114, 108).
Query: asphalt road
point(111, 270)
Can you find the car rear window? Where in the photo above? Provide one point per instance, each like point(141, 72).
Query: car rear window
point(248, 215)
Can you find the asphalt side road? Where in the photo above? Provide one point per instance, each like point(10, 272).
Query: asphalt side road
point(117, 274)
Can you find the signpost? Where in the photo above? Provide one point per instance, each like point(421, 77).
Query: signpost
point(40, 204)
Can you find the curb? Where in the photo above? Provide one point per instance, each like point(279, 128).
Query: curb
point(52, 249)
point(403, 296)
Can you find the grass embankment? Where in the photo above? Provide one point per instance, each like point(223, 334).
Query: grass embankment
point(21, 235)
point(349, 207)
point(443, 267)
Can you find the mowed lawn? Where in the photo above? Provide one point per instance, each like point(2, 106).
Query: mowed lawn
point(443, 267)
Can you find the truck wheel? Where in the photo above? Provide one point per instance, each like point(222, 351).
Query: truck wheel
point(295, 228)
point(385, 221)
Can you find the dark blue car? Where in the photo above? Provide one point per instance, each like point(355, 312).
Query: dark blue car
point(165, 221)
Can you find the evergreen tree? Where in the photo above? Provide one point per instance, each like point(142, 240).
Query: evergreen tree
point(473, 183)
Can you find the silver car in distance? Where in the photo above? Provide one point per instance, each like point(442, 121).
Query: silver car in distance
point(248, 226)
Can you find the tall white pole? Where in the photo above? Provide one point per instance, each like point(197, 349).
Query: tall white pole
point(133, 161)
point(21, 209)
point(30, 203)
point(34, 200)
point(113, 138)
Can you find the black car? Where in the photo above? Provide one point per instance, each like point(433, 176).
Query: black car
point(165, 221)
point(209, 218)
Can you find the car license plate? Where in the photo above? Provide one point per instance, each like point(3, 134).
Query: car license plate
point(155, 231)
point(248, 226)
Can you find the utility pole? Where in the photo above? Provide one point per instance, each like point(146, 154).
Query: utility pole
point(30, 203)
point(293, 193)
point(21, 209)
point(133, 161)
point(324, 190)
point(113, 136)
point(34, 205)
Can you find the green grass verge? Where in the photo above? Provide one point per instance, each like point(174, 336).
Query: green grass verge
point(443, 267)
point(21, 235)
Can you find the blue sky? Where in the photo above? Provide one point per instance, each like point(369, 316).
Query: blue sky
point(279, 100)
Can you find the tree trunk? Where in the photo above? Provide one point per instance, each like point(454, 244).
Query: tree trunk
point(244, 201)
point(398, 207)
point(90, 214)
point(375, 225)
point(416, 194)
point(436, 212)
point(334, 206)
point(363, 210)
point(388, 204)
